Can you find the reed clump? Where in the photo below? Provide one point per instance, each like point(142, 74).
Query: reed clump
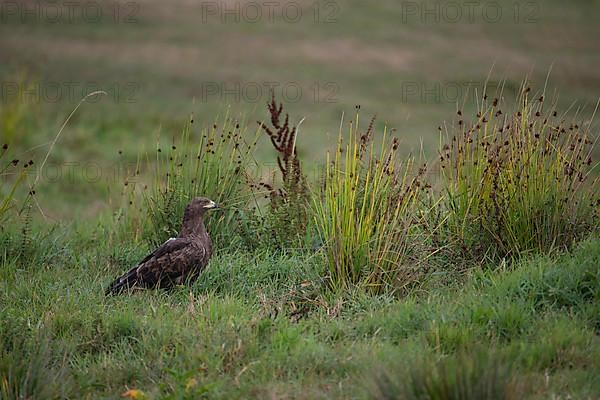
point(213, 162)
point(518, 182)
point(369, 213)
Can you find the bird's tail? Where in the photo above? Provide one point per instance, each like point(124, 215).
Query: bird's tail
point(122, 283)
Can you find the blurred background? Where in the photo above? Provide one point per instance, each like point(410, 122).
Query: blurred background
point(413, 64)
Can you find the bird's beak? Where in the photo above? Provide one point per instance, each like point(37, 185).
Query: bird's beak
point(211, 205)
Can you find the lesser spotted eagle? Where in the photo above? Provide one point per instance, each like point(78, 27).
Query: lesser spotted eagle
point(177, 261)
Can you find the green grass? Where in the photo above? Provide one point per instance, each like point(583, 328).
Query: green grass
point(377, 54)
point(259, 324)
point(264, 320)
point(366, 312)
point(212, 162)
point(367, 211)
point(520, 180)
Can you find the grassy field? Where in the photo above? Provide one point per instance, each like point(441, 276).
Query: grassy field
point(258, 325)
point(410, 73)
point(447, 249)
point(446, 312)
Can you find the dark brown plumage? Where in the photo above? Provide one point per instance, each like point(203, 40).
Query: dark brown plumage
point(179, 260)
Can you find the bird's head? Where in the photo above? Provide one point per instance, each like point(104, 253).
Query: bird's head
point(200, 205)
point(193, 223)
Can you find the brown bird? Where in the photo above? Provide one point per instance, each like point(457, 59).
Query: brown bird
point(179, 260)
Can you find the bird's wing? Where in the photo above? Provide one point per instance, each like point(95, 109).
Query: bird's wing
point(166, 262)
point(171, 245)
point(154, 267)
